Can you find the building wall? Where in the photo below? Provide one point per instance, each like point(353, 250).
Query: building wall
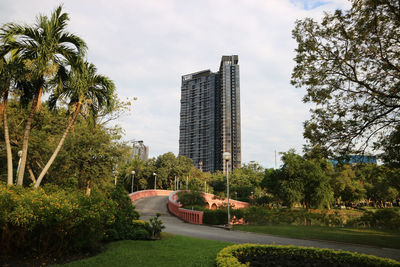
point(197, 119)
point(140, 150)
point(210, 116)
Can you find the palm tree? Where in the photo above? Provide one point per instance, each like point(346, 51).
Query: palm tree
point(10, 70)
point(44, 48)
point(5, 82)
point(87, 92)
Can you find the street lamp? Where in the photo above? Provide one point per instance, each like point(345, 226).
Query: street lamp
point(19, 163)
point(133, 179)
point(115, 176)
point(227, 157)
point(155, 180)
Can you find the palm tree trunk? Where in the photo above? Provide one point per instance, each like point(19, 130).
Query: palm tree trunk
point(7, 140)
point(2, 105)
point(20, 178)
point(55, 153)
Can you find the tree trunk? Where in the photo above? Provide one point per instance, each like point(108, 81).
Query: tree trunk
point(2, 105)
point(55, 153)
point(31, 174)
point(7, 140)
point(20, 178)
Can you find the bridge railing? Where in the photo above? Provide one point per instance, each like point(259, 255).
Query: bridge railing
point(191, 216)
point(149, 193)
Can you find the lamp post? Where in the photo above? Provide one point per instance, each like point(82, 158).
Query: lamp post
point(133, 179)
point(227, 157)
point(19, 163)
point(155, 180)
point(115, 176)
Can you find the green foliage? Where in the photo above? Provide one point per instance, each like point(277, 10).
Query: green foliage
point(125, 214)
point(220, 216)
point(52, 222)
point(89, 153)
point(167, 166)
point(380, 219)
point(272, 255)
point(265, 216)
point(300, 181)
point(55, 221)
point(156, 226)
point(345, 185)
point(348, 65)
point(188, 199)
point(391, 151)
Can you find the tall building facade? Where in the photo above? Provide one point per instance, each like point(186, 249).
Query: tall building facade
point(140, 150)
point(210, 116)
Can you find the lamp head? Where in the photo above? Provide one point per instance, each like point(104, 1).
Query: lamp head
point(226, 156)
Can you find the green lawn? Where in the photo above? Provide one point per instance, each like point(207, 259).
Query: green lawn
point(371, 237)
point(171, 250)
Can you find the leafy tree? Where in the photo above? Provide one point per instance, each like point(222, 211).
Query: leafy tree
point(89, 153)
point(45, 49)
point(378, 183)
point(11, 68)
point(300, 181)
point(349, 64)
point(345, 185)
point(391, 149)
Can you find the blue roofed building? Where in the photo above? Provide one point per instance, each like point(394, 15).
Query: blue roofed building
point(355, 159)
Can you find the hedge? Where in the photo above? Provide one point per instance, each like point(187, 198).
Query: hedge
point(274, 255)
point(220, 216)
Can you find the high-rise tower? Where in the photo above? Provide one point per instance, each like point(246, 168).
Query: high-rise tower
point(210, 116)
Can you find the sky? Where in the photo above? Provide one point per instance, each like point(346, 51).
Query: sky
point(145, 46)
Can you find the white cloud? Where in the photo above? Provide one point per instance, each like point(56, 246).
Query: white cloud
point(145, 47)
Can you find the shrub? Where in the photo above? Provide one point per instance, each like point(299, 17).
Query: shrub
point(51, 223)
point(125, 214)
point(60, 222)
point(266, 216)
point(191, 198)
point(156, 226)
point(383, 218)
point(271, 255)
point(220, 216)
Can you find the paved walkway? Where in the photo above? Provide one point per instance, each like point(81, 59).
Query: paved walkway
point(148, 207)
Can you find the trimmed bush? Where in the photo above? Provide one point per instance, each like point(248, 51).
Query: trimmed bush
point(270, 255)
point(189, 199)
point(220, 216)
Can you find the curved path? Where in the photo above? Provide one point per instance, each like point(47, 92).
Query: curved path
point(148, 207)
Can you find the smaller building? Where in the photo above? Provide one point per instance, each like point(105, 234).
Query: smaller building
point(355, 159)
point(140, 150)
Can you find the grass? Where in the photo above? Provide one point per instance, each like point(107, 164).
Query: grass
point(371, 237)
point(171, 250)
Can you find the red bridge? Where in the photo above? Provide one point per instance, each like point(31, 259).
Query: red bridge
point(191, 216)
